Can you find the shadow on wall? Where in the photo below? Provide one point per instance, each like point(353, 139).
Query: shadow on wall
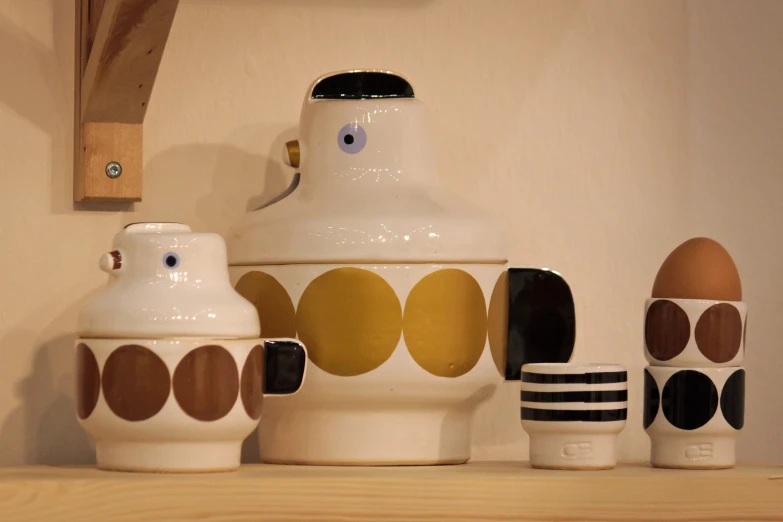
point(277, 175)
point(39, 87)
point(43, 429)
point(36, 90)
point(224, 183)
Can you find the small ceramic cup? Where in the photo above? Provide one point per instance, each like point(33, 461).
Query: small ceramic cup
point(693, 415)
point(694, 332)
point(179, 405)
point(573, 413)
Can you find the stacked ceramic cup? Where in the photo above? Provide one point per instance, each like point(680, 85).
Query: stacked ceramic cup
point(694, 388)
point(573, 413)
point(170, 369)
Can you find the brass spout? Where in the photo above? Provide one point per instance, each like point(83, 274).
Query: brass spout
point(291, 156)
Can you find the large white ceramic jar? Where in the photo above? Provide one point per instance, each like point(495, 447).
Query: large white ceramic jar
point(395, 285)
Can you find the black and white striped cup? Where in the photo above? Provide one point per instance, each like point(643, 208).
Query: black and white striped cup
point(573, 413)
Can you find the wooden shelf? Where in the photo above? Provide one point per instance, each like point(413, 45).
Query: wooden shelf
point(476, 491)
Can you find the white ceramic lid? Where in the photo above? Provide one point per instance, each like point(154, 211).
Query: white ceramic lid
point(166, 281)
point(368, 188)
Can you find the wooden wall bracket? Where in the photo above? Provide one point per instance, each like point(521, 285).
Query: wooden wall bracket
point(119, 45)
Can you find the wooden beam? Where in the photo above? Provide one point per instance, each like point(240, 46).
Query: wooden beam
point(93, 17)
point(124, 59)
point(119, 46)
point(112, 144)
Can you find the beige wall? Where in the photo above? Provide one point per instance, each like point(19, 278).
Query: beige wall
point(604, 133)
point(735, 182)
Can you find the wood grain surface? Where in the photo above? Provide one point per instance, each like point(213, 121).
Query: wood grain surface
point(106, 142)
point(119, 45)
point(127, 47)
point(476, 491)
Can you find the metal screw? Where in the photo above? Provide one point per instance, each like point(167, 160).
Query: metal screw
point(113, 169)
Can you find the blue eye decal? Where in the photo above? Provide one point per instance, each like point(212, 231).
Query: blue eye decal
point(352, 138)
point(171, 260)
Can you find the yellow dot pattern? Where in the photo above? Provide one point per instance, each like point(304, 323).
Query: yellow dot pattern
point(498, 322)
point(445, 322)
point(275, 308)
point(350, 320)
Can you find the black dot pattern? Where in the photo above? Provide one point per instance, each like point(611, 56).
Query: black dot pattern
point(732, 400)
point(689, 399)
point(652, 399)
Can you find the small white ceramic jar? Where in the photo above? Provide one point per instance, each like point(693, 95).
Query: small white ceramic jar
point(693, 415)
point(171, 371)
point(573, 414)
point(697, 333)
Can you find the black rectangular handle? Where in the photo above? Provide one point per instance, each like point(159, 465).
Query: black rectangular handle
point(284, 367)
point(541, 319)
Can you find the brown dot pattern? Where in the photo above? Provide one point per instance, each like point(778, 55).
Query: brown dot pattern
point(206, 383)
point(252, 382)
point(719, 332)
point(666, 330)
point(497, 322)
point(273, 304)
point(88, 381)
point(135, 382)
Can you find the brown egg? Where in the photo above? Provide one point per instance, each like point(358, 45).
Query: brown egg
point(700, 268)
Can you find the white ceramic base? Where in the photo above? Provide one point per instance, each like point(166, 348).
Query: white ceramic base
point(692, 451)
point(573, 450)
point(168, 457)
point(367, 438)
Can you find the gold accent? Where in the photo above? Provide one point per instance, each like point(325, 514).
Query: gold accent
point(292, 151)
point(274, 305)
point(350, 319)
point(497, 322)
point(445, 322)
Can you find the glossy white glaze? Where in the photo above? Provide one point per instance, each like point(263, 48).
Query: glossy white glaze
point(146, 298)
point(170, 440)
point(383, 203)
point(569, 368)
